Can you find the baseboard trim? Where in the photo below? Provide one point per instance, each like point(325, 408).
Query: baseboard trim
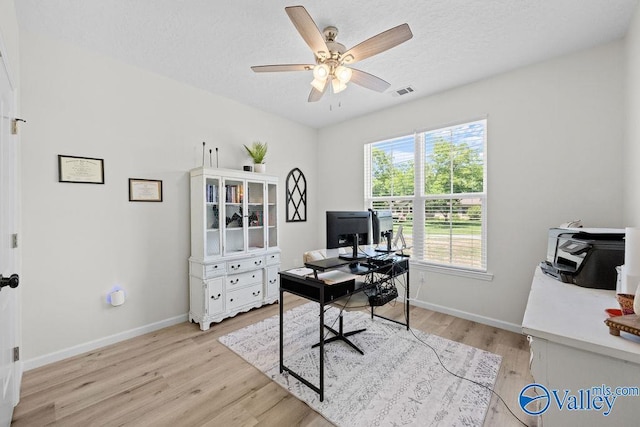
point(513, 327)
point(56, 356)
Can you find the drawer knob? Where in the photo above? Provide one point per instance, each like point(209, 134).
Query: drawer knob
point(258, 262)
point(234, 281)
point(215, 297)
point(255, 294)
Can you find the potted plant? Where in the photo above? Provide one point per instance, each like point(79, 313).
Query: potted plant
point(258, 152)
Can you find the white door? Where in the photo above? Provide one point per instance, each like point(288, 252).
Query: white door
point(9, 296)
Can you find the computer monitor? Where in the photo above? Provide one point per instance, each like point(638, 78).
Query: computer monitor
point(382, 225)
point(348, 229)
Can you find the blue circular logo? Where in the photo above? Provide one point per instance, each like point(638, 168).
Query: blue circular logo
point(534, 399)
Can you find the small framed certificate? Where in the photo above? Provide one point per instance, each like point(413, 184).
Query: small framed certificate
point(82, 170)
point(145, 190)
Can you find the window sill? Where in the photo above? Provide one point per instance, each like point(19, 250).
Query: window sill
point(453, 271)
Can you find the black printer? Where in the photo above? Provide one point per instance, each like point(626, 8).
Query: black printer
point(587, 257)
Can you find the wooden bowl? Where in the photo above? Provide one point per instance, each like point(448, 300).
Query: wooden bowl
point(626, 303)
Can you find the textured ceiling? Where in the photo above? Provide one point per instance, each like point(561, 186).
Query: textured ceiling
point(211, 44)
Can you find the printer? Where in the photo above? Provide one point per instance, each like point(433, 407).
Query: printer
point(586, 257)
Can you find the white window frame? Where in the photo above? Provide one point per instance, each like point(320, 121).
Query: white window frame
point(419, 199)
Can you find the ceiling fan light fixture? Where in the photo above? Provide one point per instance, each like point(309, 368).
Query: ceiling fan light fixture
point(332, 59)
point(343, 73)
point(337, 85)
point(321, 72)
point(319, 84)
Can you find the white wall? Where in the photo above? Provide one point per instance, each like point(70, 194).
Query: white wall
point(632, 137)
point(80, 240)
point(554, 154)
point(9, 36)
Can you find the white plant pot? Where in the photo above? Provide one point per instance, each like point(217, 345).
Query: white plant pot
point(260, 167)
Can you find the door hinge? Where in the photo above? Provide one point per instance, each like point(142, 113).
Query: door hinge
point(16, 354)
point(14, 240)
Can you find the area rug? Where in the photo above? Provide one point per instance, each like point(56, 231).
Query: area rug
point(398, 380)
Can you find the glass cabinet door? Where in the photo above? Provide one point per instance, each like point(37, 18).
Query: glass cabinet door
point(255, 215)
point(212, 225)
point(234, 216)
point(272, 215)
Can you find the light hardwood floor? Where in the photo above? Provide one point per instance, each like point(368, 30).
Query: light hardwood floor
point(181, 376)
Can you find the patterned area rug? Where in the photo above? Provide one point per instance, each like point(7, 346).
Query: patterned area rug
point(398, 381)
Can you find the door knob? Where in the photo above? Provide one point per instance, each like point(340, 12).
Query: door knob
point(12, 281)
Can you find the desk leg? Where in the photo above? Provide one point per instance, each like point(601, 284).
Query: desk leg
point(372, 279)
point(406, 298)
point(281, 303)
point(321, 343)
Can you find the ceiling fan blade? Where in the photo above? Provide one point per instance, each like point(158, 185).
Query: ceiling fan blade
point(315, 94)
point(368, 80)
point(378, 43)
point(308, 30)
point(282, 67)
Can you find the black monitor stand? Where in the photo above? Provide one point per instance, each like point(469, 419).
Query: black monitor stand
point(355, 254)
point(389, 236)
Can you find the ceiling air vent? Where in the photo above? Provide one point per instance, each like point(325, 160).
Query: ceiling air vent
point(403, 91)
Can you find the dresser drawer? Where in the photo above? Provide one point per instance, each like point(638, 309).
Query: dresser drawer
point(207, 271)
point(245, 264)
point(273, 259)
point(212, 270)
point(241, 280)
point(244, 296)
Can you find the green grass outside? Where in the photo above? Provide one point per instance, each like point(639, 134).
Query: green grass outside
point(442, 227)
point(467, 246)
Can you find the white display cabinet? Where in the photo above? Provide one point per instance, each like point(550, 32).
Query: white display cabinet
point(235, 256)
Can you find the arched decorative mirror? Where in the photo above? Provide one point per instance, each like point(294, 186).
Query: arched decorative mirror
point(296, 196)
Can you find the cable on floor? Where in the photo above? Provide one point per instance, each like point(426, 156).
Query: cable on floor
point(467, 379)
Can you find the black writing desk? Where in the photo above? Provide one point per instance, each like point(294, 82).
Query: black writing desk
point(307, 283)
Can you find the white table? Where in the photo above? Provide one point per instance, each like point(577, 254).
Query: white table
point(571, 349)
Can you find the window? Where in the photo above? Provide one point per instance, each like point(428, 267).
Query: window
point(434, 182)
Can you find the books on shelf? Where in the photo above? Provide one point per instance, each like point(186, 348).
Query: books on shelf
point(233, 193)
point(212, 193)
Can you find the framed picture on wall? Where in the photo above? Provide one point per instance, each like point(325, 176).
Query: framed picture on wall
point(81, 170)
point(145, 190)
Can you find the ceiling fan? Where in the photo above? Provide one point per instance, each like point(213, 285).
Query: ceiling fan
point(333, 60)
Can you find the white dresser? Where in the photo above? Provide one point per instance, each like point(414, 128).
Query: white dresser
point(572, 350)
